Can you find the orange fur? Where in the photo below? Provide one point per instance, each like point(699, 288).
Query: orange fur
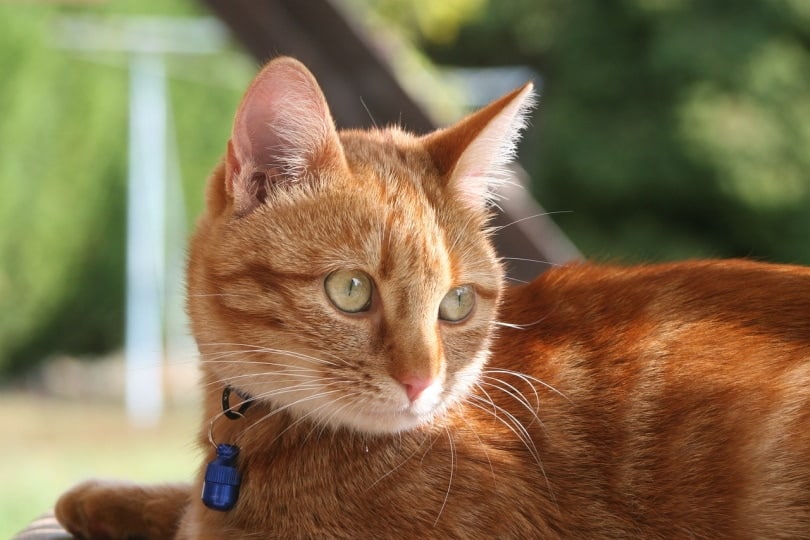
point(660, 401)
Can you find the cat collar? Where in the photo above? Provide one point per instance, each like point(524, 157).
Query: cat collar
point(222, 479)
point(247, 400)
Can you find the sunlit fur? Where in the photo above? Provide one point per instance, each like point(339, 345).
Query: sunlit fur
point(663, 401)
point(257, 291)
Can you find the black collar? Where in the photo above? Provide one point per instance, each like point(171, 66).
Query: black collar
point(227, 409)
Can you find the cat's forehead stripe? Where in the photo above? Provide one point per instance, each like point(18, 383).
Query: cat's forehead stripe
point(262, 273)
point(386, 265)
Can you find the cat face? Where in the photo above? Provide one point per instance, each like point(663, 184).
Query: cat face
point(347, 279)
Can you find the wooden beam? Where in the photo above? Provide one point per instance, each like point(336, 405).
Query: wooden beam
point(354, 78)
point(338, 54)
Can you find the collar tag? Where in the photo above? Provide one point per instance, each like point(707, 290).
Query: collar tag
point(222, 479)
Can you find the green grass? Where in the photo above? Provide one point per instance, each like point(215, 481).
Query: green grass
point(51, 444)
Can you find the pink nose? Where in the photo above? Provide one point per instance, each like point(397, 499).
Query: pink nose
point(415, 385)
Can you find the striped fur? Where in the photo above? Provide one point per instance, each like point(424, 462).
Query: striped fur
point(661, 401)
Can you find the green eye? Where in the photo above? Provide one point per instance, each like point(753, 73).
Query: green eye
point(349, 290)
point(457, 304)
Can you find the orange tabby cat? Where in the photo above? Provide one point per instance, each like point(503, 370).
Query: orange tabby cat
point(346, 300)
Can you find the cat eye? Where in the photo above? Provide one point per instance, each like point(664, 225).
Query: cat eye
point(349, 290)
point(457, 304)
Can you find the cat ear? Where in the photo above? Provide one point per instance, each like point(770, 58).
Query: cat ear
point(472, 154)
point(282, 131)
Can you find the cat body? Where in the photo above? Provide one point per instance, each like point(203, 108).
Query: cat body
point(662, 418)
point(345, 287)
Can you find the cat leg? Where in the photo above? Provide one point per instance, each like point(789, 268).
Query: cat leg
point(112, 511)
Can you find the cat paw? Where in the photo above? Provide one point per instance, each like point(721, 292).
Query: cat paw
point(84, 511)
point(96, 510)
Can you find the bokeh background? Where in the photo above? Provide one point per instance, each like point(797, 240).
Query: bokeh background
point(667, 129)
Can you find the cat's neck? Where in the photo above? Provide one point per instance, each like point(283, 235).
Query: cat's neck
point(260, 426)
point(249, 419)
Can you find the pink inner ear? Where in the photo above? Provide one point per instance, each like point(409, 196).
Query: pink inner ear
point(473, 153)
point(473, 187)
point(282, 129)
point(482, 165)
point(283, 120)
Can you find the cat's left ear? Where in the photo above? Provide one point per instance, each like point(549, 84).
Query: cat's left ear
point(282, 133)
point(472, 154)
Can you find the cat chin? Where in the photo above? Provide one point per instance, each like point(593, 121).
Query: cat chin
point(389, 420)
point(384, 424)
point(379, 422)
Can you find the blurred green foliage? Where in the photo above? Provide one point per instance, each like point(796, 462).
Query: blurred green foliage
point(670, 128)
point(63, 166)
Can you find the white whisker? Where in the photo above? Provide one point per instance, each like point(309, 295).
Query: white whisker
point(429, 448)
point(518, 429)
point(452, 472)
point(307, 416)
point(265, 350)
point(276, 377)
point(481, 444)
point(498, 228)
point(529, 380)
point(288, 405)
point(538, 261)
point(403, 462)
point(510, 390)
point(324, 424)
point(515, 280)
point(284, 369)
point(518, 326)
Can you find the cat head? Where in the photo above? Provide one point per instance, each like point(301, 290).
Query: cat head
point(348, 277)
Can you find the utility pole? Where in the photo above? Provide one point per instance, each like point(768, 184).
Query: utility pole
point(146, 41)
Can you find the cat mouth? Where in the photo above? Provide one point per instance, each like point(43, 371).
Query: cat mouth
point(411, 414)
point(379, 413)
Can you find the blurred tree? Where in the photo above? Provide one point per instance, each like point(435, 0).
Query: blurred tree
point(63, 167)
point(60, 235)
point(671, 128)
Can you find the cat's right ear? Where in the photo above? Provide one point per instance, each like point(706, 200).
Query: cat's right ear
point(472, 154)
point(282, 132)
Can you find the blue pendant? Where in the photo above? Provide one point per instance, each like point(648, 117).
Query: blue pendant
point(221, 486)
